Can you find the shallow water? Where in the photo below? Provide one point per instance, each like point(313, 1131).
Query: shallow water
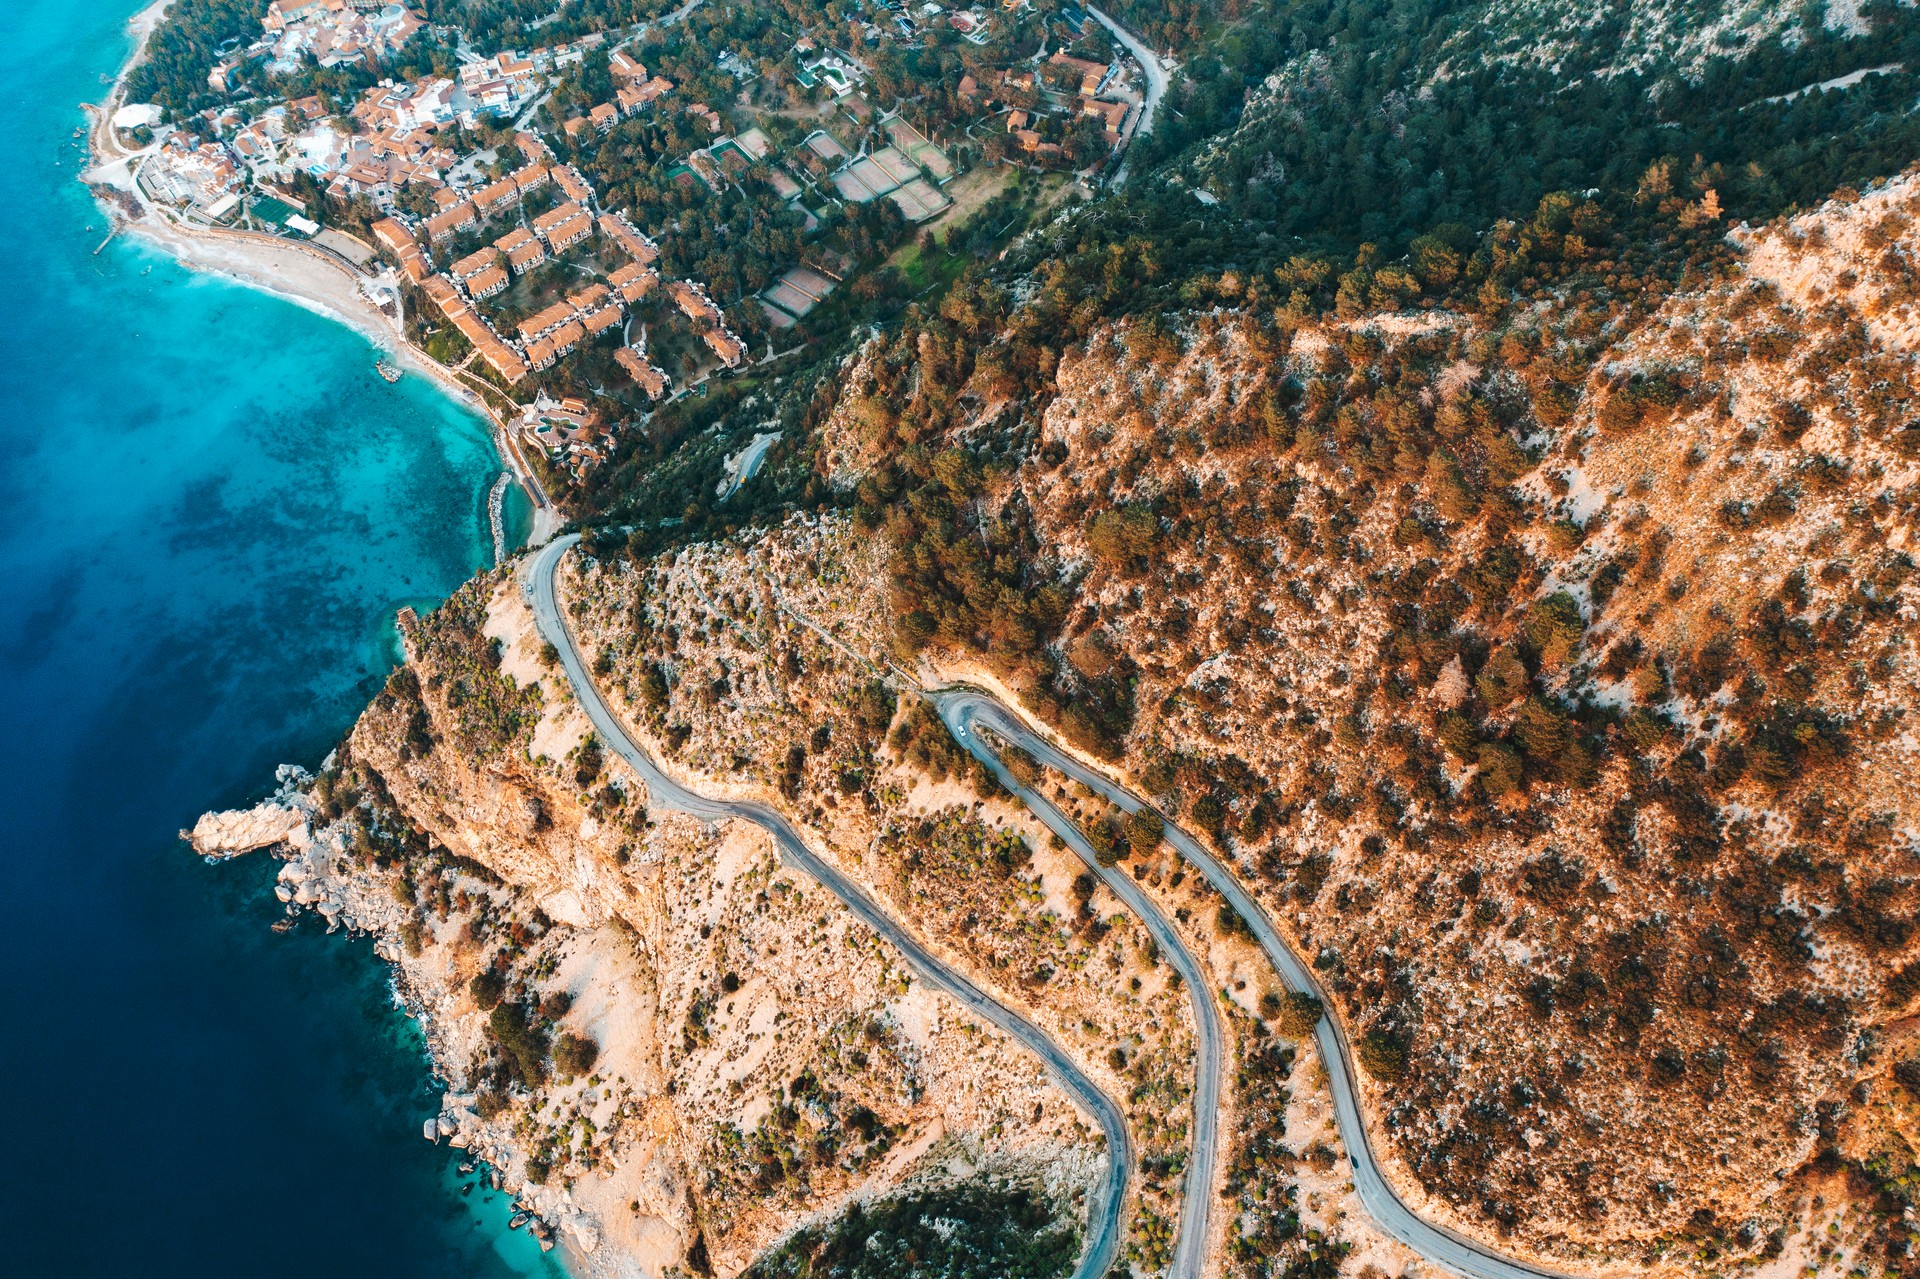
point(216, 507)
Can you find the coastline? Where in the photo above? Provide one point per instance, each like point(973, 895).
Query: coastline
point(294, 272)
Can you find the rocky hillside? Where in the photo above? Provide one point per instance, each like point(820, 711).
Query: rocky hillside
point(666, 1043)
point(1533, 629)
point(1547, 669)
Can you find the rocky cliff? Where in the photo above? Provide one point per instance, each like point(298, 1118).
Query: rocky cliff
point(672, 1049)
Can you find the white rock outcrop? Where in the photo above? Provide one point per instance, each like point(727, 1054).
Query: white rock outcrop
point(239, 831)
point(284, 819)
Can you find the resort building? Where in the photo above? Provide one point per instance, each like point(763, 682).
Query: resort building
point(645, 376)
point(487, 283)
point(731, 350)
point(474, 263)
point(633, 282)
point(693, 302)
point(496, 196)
point(535, 327)
point(567, 337)
point(571, 184)
point(571, 232)
point(637, 246)
point(505, 361)
point(524, 251)
point(553, 219)
point(450, 220)
point(399, 241)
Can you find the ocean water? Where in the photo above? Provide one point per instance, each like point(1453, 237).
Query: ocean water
point(213, 510)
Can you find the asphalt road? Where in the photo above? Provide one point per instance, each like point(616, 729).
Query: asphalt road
point(1150, 66)
point(1104, 1227)
point(962, 714)
point(963, 708)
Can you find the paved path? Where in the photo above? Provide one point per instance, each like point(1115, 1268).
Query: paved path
point(962, 713)
point(1104, 1213)
point(962, 708)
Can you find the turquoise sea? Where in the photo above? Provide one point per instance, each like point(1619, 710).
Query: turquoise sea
point(213, 510)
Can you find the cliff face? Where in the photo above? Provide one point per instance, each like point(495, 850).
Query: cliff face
point(755, 1058)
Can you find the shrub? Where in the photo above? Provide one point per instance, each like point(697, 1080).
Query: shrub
point(1907, 1075)
point(653, 687)
point(1453, 497)
point(1383, 1055)
point(574, 1055)
point(873, 706)
point(1502, 679)
point(1300, 1013)
point(1644, 729)
point(488, 988)
point(1208, 815)
point(1022, 767)
point(522, 1046)
point(1457, 735)
point(588, 762)
point(1554, 628)
point(1500, 768)
point(1124, 536)
point(1232, 924)
point(1543, 730)
point(1145, 830)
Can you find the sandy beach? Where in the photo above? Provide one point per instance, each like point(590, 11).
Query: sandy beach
point(283, 268)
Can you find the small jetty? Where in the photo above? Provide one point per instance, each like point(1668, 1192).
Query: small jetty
point(497, 516)
point(387, 369)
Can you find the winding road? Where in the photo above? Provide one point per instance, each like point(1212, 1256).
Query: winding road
point(1104, 1213)
point(962, 714)
point(964, 710)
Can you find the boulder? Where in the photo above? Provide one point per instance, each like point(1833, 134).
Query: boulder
point(583, 1230)
point(239, 831)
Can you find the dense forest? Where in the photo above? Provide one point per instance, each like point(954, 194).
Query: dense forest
point(1329, 129)
point(185, 48)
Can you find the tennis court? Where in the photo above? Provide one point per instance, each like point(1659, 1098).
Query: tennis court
point(848, 184)
point(895, 166)
point(824, 146)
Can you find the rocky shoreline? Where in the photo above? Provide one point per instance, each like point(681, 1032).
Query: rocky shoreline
point(709, 983)
point(316, 876)
point(320, 875)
